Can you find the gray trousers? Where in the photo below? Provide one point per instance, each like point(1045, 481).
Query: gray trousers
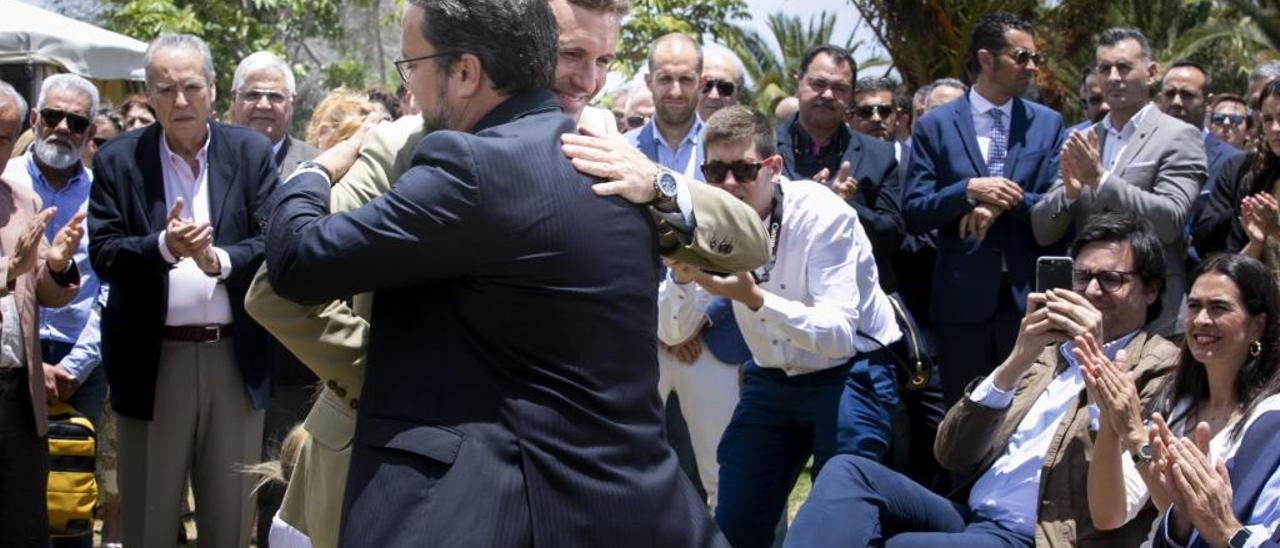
point(203, 425)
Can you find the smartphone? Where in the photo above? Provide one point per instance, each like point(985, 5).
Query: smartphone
point(1053, 273)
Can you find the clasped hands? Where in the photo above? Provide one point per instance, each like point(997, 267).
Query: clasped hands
point(993, 197)
point(59, 254)
point(186, 238)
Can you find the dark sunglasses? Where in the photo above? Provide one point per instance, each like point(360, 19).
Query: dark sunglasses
point(1022, 56)
point(865, 112)
point(743, 171)
point(1233, 119)
point(725, 87)
point(51, 117)
point(99, 141)
point(635, 121)
point(1109, 280)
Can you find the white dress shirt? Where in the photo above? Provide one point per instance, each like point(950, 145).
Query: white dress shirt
point(823, 289)
point(195, 298)
point(1008, 493)
point(982, 122)
point(1118, 139)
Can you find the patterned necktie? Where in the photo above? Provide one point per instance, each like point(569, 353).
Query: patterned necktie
point(999, 144)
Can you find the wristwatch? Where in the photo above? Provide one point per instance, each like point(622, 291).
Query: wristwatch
point(1239, 539)
point(664, 188)
point(1142, 455)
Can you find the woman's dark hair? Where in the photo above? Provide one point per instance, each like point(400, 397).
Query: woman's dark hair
point(517, 41)
point(1263, 160)
point(1257, 379)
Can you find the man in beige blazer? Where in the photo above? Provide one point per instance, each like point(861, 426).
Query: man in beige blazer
point(1136, 159)
point(330, 339)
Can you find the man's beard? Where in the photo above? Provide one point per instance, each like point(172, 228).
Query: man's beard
point(676, 118)
point(56, 153)
point(437, 118)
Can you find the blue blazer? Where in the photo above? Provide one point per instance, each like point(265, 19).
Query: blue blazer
point(878, 200)
point(126, 214)
point(944, 156)
point(509, 396)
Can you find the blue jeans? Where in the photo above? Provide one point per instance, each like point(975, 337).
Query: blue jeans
point(88, 400)
point(781, 421)
point(859, 502)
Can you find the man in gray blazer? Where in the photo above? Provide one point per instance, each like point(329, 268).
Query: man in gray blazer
point(1136, 159)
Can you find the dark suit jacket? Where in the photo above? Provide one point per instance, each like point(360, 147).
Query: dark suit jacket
point(944, 156)
point(509, 398)
point(879, 198)
point(1218, 153)
point(1217, 229)
point(292, 153)
point(1254, 464)
point(126, 215)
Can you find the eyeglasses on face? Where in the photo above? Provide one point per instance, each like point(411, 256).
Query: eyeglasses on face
point(51, 117)
point(1022, 56)
point(1223, 118)
point(864, 112)
point(253, 96)
point(1109, 280)
point(743, 171)
point(406, 66)
point(635, 121)
point(724, 87)
point(99, 141)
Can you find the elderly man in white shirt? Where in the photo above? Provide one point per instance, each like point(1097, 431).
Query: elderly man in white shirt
point(821, 379)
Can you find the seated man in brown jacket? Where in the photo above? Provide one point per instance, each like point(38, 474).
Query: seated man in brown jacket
point(1024, 434)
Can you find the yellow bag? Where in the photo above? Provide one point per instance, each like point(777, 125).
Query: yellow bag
point(73, 490)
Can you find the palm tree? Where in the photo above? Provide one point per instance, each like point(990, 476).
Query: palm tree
point(773, 70)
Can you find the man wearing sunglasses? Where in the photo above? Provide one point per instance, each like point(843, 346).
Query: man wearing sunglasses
point(1229, 119)
point(1137, 159)
point(1092, 103)
point(1023, 436)
point(52, 170)
point(978, 164)
point(721, 81)
point(872, 112)
point(820, 380)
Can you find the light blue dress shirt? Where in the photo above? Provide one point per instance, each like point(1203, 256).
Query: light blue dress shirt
point(681, 159)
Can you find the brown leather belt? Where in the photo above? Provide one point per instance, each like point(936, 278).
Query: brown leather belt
point(196, 333)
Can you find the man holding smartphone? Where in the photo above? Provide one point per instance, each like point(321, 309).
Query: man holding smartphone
point(1023, 434)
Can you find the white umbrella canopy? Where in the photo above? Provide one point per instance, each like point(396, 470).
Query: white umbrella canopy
point(32, 35)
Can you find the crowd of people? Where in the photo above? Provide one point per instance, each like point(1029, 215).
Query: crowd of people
point(453, 315)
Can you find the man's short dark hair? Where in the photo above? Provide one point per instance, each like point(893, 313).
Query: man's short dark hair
point(515, 40)
point(738, 123)
point(1148, 252)
point(989, 34)
point(616, 6)
point(841, 55)
point(874, 85)
point(1115, 35)
point(1229, 98)
point(1187, 63)
point(1089, 69)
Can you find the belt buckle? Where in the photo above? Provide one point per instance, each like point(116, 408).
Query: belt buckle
point(216, 330)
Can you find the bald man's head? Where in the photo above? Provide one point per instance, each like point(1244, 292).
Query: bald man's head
point(675, 70)
point(677, 45)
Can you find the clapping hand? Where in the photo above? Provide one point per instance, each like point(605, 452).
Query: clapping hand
point(1084, 155)
point(65, 243)
point(23, 258)
point(1260, 216)
point(1200, 491)
point(844, 186)
point(1110, 385)
point(185, 238)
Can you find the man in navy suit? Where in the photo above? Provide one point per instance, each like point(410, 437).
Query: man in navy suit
point(978, 164)
point(509, 398)
point(171, 232)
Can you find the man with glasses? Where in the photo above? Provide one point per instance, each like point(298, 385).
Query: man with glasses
point(1137, 159)
point(873, 112)
point(171, 228)
point(820, 380)
point(262, 94)
point(721, 81)
point(1021, 436)
point(978, 164)
point(52, 170)
point(1229, 120)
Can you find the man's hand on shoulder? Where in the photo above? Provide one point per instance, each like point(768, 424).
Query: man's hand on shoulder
point(627, 172)
point(340, 157)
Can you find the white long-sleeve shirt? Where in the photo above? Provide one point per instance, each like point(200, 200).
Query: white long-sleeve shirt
point(822, 290)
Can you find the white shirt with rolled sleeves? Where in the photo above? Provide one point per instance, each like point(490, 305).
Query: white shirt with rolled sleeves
point(822, 291)
point(195, 298)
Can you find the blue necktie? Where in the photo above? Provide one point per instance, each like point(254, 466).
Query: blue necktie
point(999, 144)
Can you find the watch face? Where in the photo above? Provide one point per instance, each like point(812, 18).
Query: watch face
point(667, 184)
point(1145, 452)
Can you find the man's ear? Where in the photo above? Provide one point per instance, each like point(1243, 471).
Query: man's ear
point(468, 73)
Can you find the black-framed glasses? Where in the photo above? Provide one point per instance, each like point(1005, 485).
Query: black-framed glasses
point(407, 71)
point(743, 171)
point(1223, 118)
point(1109, 280)
point(636, 121)
point(724, 87)
point(51, 117)
point(253, 96)
point(864, 112)
point(99, 141)
point(1022, 56)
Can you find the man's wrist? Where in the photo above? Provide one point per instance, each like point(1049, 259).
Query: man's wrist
point(58, 266)
point(754, 300)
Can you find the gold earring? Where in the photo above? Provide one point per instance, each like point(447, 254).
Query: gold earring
point(1255, 348)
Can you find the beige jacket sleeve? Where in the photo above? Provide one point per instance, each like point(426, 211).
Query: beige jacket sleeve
point(330, 339)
